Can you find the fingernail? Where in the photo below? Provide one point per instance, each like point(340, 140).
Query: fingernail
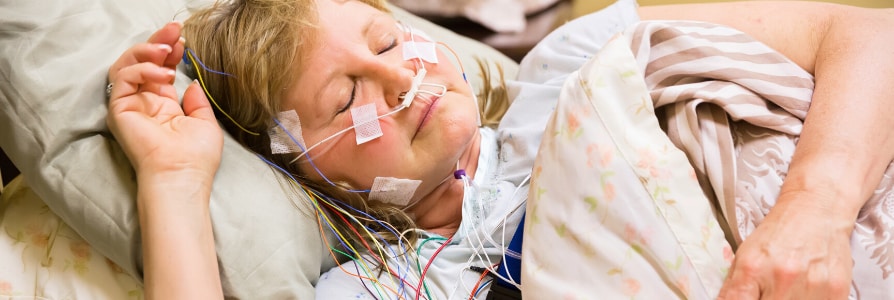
point(178, 23)
point(182, 40)
point(170, 72)
point(167, 48)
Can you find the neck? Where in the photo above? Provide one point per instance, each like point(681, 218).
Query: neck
point(440, 211)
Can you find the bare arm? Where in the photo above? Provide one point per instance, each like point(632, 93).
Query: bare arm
point(802, 248)
point(847, 136)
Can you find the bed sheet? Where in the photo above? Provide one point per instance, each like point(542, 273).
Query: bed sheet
point(42, 258)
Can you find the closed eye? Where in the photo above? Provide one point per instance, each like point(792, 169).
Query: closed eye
point(390, 46)
point(350, 100)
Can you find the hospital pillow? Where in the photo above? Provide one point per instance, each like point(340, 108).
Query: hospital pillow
point(614, 208)
point(54, 57)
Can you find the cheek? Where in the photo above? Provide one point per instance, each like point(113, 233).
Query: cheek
point(360, 164)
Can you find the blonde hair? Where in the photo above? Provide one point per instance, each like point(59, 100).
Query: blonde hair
point(258, 44)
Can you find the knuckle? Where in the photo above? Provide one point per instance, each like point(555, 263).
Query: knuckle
point(838, 286)
point(788, 270)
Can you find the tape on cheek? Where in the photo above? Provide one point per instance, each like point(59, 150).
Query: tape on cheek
point(392, 190)
point(366, 123)
point(281, 137)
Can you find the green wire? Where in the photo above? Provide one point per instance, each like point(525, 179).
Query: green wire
point(419, 267)
point(376, 281)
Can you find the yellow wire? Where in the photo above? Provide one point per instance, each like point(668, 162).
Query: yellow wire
point(323, 215)
point(316, 199)
point(205, 89)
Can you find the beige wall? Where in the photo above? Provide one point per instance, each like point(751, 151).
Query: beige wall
point(581, 7)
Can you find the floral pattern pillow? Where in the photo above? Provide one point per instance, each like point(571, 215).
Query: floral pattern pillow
point(614, 208)
point(42, 258)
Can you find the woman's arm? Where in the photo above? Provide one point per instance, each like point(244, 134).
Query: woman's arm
point(802, 247)
point(175, 151)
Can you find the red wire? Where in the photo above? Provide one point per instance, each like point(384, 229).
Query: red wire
point(480, 279)
point(376, 257)
point(425, 270)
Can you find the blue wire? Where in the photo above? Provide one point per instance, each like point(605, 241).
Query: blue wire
point(481, 287)
point(399, 241)
point(309, 159)
point(325, 220)
point(342, 204)
point(196, 57)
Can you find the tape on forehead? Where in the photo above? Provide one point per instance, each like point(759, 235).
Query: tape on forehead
point(366, 123)
point(392, 190)
point(280, 140)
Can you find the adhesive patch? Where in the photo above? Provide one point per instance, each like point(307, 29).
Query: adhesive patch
point(280, 142)
point(425, 50)
point(366, 123)
point(392, 190)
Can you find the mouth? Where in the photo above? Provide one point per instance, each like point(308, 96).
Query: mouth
point(433, 101)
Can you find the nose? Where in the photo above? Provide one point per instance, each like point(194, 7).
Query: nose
point(395, 76)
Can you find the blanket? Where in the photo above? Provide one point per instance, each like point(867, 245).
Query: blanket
point(666, 150)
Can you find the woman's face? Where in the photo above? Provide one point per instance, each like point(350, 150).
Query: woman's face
point(357, 60)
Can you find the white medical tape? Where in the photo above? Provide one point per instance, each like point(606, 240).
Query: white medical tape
point(366, 123)
point(413, 31)
point(425, 50)
point(280, 142)
point(392, 190)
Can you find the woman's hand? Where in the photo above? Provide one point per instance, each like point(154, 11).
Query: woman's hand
point(176, 152)
point(145, 116)
point(793, 256)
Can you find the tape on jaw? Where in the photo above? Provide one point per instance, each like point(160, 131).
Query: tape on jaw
point(394, 191)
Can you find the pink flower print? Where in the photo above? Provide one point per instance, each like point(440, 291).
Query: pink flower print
point(609, 190)
point(728, 255)
point(595, 152)
point(5, 288)
point(591, 149)
point(631, 286)
point(573, 123)
point(683, 284)
point(632, 235)
point(80, 250)
point(39, 238)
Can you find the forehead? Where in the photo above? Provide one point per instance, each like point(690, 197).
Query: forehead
point(341, 29)
point(345, 15)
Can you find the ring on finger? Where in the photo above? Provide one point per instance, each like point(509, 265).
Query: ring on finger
point(109, 90)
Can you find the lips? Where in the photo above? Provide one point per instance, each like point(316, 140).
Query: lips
point(426, 112)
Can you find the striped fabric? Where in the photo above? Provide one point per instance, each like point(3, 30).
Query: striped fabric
point(736, 108)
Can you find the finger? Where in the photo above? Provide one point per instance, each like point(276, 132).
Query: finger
point(739, 286)
point(170, 35)
point(176, 54)
point(195, 104)
point(143, 52)
point(132, 78)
